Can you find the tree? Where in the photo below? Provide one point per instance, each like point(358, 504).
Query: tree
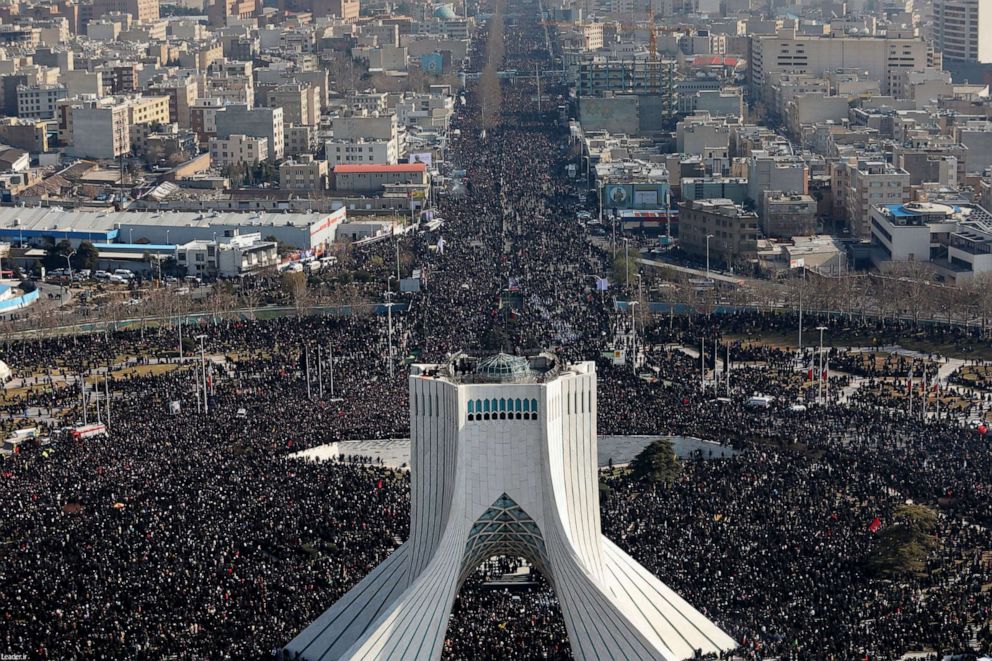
point(624, 268)
point(295, 284)
point(56, 254)
point(657, 463)
point(903, 547)
point(86, 256)
point(912, 286)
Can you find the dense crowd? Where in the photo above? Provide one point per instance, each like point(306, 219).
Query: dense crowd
point(194, 535)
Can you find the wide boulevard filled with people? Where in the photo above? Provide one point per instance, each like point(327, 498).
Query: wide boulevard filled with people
point(190, 532)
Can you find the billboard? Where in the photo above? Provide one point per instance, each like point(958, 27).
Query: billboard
point(635, 196)
point(421, 157)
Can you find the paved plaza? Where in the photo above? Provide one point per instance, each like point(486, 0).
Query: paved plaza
point(395, 452)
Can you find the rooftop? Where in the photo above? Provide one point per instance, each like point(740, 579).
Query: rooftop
point(359, 169)
point(464, 368)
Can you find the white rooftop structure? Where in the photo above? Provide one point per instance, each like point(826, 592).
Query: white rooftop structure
point(504, 462)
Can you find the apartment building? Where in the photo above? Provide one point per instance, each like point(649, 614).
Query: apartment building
point(99, 128)
point(139, 10)
point(238, 149)
point(258, 122)
point(303, 174)
point(181, 93)
point(787, 215)
point(366, 138)
point(203, 117)
point(39, 101)
point(962, 30)
point(300, 103)
point(732, 231)
point(860, 184)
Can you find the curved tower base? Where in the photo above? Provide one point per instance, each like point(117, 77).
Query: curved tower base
point(503, 462)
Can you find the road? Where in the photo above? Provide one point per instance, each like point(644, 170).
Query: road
point(701, 273)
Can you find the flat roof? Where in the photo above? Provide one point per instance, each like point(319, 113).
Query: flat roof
point(56, 220)
point(134, 246)
point(362, 169)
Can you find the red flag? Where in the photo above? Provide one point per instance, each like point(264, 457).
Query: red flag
point(379, 486)
point(875, 525)
point(809, 375)
point(823, 377)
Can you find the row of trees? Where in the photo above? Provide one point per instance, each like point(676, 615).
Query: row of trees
point(901, 290)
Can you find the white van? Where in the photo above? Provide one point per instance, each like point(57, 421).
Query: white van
point(124, 273)
point(760, 401)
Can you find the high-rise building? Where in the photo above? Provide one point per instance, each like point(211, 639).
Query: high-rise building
point(504, 463)
point(885, 58)
point(139, 10)
point(962, 30)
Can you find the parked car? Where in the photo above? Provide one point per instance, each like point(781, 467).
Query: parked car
point(116, 279)
point(101, 275)
point(83, 273)
point(124, 273)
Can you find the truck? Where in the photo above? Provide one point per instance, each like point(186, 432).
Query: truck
point(83, 432)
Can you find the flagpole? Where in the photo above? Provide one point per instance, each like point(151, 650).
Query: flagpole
point(924, 402)
point(726, 369)
point(320, 374)
point(306, 353)
point(702, 364)
point(330, 366)
point(910, 397)
point(106, 384)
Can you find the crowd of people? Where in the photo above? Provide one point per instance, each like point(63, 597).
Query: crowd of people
point(193, 533)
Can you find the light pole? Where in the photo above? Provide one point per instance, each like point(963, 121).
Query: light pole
point(389, 315)
point(167, 236)
point(819, 376)
point(68, 265)
point(708, 237)
point(626, 260)
point(203, 368)
point(633, 327)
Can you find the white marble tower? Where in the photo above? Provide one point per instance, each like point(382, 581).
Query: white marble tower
point(503, 462)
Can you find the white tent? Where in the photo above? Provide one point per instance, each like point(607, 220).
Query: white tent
point(5, 373)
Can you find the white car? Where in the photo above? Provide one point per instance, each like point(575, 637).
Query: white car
point(101, 275)
point(126, 274)
point(116, 279)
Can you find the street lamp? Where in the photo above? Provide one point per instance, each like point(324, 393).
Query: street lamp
point(626, 260)
point(819, 379)
point(633, 328)
point(203, 368)
point(69, 268)
point(708, 237)
point(389, 313)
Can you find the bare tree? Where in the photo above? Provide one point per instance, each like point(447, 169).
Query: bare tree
point(298, 289)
